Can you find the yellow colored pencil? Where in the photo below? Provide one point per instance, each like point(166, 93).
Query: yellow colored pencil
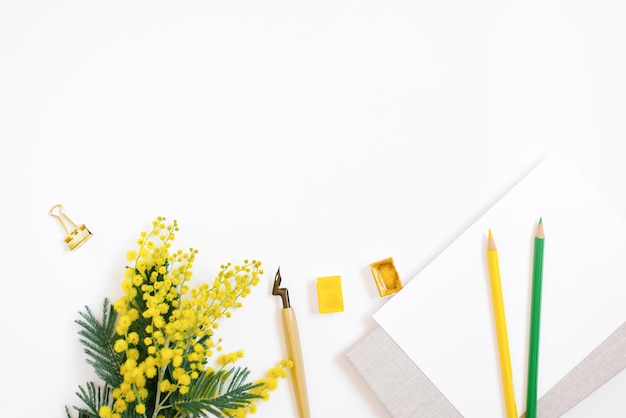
point(501, 332)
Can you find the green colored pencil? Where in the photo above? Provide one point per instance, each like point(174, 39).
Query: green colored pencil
point(535, 315)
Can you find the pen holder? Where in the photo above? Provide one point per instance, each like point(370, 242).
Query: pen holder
point(295, 353)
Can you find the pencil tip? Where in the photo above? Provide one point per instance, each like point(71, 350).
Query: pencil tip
point(491, 243)
point(540, 233)
point(540, 220)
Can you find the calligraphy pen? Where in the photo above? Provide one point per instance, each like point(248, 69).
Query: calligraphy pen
point(293, 347)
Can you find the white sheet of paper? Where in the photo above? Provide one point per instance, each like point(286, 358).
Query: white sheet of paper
point(443, 318)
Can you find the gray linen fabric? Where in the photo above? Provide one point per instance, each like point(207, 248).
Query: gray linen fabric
point(407, 393)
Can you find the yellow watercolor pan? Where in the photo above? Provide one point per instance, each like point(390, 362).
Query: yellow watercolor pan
point(386, 277)
point(329, 294)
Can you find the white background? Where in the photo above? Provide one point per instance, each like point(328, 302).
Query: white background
point(315, 136)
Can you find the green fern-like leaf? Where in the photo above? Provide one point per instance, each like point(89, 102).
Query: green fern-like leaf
point(213, 393)
point(93, 397)
point(98, 338)
point(81, 414)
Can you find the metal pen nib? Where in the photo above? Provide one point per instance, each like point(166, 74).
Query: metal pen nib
point(281, 291)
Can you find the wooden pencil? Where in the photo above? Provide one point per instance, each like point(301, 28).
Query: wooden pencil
point(535, 315)
point(501, 331)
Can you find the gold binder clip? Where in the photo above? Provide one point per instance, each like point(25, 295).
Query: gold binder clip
point(78, 236)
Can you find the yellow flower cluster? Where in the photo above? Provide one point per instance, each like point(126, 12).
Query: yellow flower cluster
point(265, 385)
point(164, 328)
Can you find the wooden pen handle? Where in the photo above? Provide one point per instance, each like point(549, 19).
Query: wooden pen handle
point(295, 353)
